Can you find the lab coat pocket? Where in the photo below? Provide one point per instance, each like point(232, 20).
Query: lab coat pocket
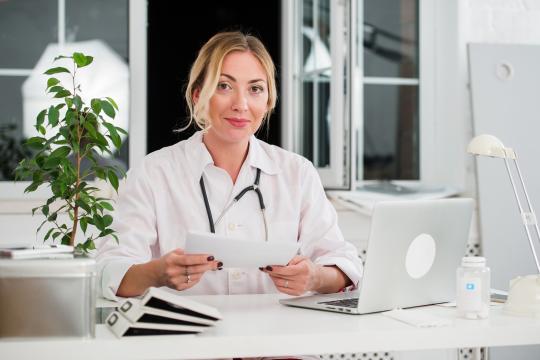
point(283, 231)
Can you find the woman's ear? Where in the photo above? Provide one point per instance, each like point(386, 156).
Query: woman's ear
point(196, 94)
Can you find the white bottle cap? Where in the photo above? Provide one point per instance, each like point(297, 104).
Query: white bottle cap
point(473, 261)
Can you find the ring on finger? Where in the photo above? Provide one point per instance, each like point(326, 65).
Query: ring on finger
point(187, 271)
point(286, 283)
point(188, 279)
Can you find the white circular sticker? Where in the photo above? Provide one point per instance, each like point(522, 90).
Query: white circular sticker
point(420, 256)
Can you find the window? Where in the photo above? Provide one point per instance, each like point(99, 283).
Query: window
point(358, 87)
point(27, 28)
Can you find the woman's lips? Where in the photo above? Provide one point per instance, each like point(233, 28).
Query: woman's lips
point(238, 123)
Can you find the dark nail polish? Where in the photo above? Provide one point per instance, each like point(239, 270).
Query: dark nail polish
point(269, 268)
point(261, 269)
point(220, 268)
point(210, 258)
point(220, 264)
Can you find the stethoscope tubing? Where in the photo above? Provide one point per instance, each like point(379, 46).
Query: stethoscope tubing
point(254, 187)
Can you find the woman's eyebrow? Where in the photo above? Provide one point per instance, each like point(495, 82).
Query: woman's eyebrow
point(249, 82)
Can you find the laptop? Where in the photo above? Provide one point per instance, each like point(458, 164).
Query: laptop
point(413, 251)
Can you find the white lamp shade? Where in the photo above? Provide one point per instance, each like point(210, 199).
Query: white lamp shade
point(107, 76)
point(489, 145)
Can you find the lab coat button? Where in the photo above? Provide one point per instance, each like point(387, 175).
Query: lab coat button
point(236, 275)
point(232, 226)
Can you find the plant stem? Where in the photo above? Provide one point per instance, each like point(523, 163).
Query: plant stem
point(76, 207)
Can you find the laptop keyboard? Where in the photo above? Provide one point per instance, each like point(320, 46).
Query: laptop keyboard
point(350, 303)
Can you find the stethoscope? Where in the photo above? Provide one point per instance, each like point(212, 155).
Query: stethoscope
point(254, 187)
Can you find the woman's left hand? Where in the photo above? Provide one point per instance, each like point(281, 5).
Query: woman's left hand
point(299, 276)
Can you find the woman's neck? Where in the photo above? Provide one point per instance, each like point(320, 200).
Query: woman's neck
point(227, 156)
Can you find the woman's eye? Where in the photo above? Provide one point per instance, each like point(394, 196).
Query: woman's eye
point(223, 86)
point(257, 89)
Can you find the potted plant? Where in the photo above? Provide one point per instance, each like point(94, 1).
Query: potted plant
point(65, 156)
point(78, 132)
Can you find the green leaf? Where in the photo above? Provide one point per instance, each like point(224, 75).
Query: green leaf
point(117, 141)
point(56, 88)
point(113, 135)
point(120, 130)
point(48, 233)
point(52, 81)
point(31, 187)
point(53, 116)
point(112, 102)
point(100, 139)
point(65, 240)
point(115, 238)
point(107, 220)
point(113, 179)
point(83, 205)
point(41, 129)
point(57, 70)
point(89, 60)
point(41, 117)
point(107, 108)
point(91, 130)
point(107, 206)
point(52, 217)
point(106, 232)
point(98, 222)
point(35, 142)
point(100, 174)
point(52, 162)
point(79, 59)
point(96, 106)
point(61, 152)
point(77, 101)
point(62, 94)
point(45, 210)
point(84, 224)
point(89, 245)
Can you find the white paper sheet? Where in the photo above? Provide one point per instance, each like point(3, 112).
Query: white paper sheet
point(240, 253)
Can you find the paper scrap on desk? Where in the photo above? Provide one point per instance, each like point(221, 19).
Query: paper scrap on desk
point(417, 318)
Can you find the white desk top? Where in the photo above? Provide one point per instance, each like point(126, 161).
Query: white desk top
point(257, 325)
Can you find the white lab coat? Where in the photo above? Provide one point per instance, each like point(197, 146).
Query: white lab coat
point(161, 201)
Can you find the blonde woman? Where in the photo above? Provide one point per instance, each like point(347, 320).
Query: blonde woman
point(191, 185)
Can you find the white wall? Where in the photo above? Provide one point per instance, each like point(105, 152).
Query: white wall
point(492, 21)
point(495, 21)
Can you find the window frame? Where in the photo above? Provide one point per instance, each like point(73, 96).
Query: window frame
point(440, 103)
point(13, 200)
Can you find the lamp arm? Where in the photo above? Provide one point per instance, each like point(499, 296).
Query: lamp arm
point(532, 220)
point(525, 217)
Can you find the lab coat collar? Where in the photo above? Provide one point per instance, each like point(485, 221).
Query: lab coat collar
point(259, 158)
point(199, 157)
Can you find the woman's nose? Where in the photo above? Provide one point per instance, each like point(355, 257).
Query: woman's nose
point(240, 102)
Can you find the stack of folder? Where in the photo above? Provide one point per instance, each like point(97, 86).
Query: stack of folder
point(160, 312)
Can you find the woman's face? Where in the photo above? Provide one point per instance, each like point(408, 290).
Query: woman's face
point(241, 99)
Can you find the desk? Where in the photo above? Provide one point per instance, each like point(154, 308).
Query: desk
point(257, 325)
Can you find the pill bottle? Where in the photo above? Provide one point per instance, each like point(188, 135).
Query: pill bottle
point(473, 288)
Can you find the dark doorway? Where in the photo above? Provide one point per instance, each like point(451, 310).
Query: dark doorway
point(176, 31)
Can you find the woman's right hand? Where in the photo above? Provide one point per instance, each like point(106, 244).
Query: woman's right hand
point(181, 271)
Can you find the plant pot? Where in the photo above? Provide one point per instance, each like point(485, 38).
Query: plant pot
point(48, 298)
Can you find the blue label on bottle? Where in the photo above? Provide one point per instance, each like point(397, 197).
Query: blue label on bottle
point(469, 286)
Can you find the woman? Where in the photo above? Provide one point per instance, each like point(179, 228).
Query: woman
point(185, 187)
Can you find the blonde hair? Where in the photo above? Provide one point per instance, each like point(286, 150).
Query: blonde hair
point(205, 72)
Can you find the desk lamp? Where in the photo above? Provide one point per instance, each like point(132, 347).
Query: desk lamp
point(524, 292)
